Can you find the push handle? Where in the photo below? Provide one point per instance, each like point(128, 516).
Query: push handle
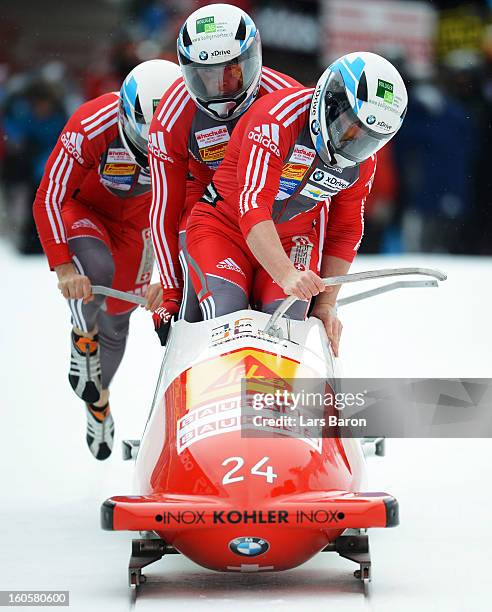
point(271, 327)
point(119, 295)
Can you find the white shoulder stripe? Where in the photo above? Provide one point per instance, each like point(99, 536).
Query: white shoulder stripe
point(276, 77)
point(103, 128)
point(173, 119)
point(171, 97)
point(288, 98)
point(266, 87)
point(171, 103)
point(99, 112)
point(112, 113)
point(293, 117)
point(291, 107)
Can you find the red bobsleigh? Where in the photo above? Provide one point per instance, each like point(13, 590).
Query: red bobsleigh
point(228, 501)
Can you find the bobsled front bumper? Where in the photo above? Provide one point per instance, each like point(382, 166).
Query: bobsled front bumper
point(164, 512)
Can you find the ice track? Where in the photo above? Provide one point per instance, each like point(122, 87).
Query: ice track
point(51, 487)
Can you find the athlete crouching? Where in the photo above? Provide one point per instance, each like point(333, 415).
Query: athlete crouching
point(92, 214)
point(252, 237)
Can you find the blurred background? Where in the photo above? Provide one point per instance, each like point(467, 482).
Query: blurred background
point(433, 182)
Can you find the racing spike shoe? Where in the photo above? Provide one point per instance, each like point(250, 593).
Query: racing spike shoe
point(100, 431)
point(85, 368)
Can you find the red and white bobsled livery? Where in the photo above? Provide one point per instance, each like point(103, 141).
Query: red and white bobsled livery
point(236, 503)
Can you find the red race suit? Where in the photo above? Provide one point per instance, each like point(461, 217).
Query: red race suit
point(91, 187)
point(186, 147)
point(272, 172)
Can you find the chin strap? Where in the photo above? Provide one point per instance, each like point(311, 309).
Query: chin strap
point(331, 151)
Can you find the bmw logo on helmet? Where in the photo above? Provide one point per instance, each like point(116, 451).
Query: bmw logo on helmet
point(315, 126)
point(371, 119)
point(249, 547)
point(318, 175)
point(203, 55)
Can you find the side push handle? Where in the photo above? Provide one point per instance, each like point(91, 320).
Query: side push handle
point(119, 295)
point(272, 328)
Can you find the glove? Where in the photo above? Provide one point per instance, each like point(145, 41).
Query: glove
point(162, 318)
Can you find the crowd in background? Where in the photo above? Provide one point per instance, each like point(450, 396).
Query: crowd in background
point(433, 185)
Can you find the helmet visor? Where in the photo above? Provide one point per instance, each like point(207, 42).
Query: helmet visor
point(348, 136)
point(223, 81)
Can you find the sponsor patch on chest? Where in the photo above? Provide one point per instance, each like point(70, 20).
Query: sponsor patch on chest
point(119, 169)
point(118, 156)
point(326, 180)
point(212, 144)
point(302, 155)
point(290, 179)
point(313, 192)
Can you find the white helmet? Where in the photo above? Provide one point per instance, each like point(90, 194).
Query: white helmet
point(358, 105)
point(219, 50)
point(140, 95)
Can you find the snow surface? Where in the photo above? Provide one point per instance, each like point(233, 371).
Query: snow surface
point(52, 488)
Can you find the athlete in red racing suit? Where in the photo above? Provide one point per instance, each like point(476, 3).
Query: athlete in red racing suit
point(219, 52)
point(251, 239)
point(92, 214)
point(271, 172)
point(186, 146)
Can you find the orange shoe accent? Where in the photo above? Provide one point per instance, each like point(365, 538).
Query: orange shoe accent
point(83, 343)
point(100, 415)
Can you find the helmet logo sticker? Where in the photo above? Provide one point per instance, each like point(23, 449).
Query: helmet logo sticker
point(385, 91)
point(205, 25)
point(203, 55)
point(216, 53)
point(371, 119)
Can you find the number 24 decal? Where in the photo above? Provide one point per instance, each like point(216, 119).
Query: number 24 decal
point(269, 474)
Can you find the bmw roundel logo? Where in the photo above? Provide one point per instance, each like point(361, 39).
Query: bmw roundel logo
point(249, 547)
point(315, 126)
point(371, 119)
point(318, 175)
point(203, 55)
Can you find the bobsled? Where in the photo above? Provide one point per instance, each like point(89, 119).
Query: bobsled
point(234, 502)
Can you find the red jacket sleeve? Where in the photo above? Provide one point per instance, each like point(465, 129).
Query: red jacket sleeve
point(263, 147)
point(168, 161)
point(345, 226)
point(76, 152)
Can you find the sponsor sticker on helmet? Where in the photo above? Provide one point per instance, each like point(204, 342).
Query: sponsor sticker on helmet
point(371, 119)
point(205, 25)
point(385, 91)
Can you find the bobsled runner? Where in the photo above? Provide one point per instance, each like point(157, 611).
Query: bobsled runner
point(237, 503)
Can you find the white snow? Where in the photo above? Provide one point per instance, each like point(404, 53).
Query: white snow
point(52, 488)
